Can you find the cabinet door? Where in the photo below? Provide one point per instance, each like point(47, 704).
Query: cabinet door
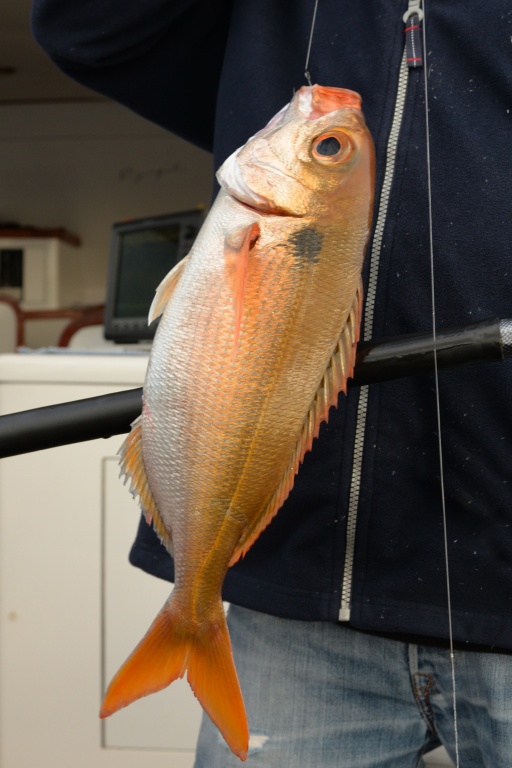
point(72, 608)
point(131, 599)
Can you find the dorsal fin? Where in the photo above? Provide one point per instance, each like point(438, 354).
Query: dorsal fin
point(334, 381)
point(165, 290)
point(132, 467)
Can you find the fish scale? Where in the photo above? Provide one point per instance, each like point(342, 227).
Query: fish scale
point(257, 338)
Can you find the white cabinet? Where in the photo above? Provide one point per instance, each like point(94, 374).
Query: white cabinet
point(41, 272)
point(71, 606)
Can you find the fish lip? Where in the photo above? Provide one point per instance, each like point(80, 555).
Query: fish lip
point(281, 212)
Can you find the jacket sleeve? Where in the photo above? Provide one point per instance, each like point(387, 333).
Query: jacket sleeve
point(162, 59)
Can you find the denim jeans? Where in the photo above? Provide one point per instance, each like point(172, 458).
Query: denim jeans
point(321, 695)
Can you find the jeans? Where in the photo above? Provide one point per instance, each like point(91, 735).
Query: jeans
point(322, 695)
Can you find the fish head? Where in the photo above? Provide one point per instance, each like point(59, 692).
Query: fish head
point(314, 155)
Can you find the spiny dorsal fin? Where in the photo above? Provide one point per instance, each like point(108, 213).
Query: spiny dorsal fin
point(165, 290)
point(132, 467)
point(334, 381)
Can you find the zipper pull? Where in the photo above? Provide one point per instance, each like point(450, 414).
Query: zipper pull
point(412, 18)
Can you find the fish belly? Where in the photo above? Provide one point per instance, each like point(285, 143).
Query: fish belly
point(222, 415)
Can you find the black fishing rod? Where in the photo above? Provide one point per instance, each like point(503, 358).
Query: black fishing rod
point(376, 361)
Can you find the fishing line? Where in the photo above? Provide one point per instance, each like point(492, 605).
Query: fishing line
point(307, 74)
point(438, 400)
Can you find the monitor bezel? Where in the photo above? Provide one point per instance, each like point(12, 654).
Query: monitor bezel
point(133, 330)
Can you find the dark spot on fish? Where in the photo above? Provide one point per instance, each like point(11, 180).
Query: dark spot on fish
point(307, 244)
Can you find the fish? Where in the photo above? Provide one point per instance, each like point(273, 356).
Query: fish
point(257, 337)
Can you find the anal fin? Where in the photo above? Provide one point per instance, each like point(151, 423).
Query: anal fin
point(132, 466)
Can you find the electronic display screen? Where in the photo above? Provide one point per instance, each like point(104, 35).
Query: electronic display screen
point(145, 259)
point(142, 253)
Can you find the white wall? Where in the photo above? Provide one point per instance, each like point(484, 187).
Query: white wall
point(86, 165)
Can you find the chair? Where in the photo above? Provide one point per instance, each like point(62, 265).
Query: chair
point(11, 325)
point(85, 332)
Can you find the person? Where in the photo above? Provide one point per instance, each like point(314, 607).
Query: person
point(339, 616)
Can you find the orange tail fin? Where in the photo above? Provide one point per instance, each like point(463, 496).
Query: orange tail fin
point(168, 650)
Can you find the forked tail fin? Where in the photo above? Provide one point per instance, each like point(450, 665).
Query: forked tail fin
point(171, 648)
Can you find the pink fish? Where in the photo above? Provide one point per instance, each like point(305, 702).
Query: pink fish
point(257, 338)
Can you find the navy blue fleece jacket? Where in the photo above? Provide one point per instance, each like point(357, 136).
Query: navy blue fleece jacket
point(214, 73)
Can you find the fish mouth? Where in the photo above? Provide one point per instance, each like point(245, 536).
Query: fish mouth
point(267, 210)
point(231, 179)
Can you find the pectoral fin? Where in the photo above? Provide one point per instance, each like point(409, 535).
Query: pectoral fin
point(238, 244)
point(165, 290)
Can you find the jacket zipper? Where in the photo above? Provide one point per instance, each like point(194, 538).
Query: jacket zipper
point(407, 62)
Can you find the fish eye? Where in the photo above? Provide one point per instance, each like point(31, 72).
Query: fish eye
point(331, 148)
